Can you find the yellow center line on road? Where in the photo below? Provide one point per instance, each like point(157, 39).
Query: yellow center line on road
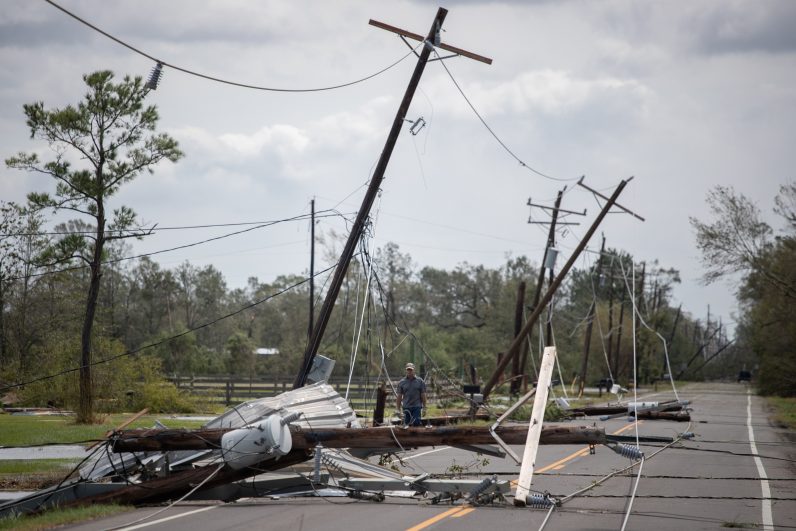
point(583, 451)
point(434, 519)
point(458, 512)
point(466, 510)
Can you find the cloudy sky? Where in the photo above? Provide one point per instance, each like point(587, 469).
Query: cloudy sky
point(681, 95)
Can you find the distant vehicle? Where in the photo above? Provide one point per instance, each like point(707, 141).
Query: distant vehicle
point(744, 376)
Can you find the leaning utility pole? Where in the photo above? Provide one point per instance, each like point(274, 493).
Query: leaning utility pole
point(433, 39)
point(515, 345)
point(589, 324)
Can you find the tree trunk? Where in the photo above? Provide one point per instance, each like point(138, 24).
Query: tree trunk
point(85, 412)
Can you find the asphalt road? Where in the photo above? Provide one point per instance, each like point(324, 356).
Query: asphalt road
point(709, 482)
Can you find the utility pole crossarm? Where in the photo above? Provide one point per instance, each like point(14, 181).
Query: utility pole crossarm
point(595, 192)
point(415, 36)
point(564, 210)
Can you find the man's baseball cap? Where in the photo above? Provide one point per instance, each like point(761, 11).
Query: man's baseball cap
point(410, 366)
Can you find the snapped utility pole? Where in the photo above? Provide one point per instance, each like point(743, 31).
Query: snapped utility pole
point(429, 42)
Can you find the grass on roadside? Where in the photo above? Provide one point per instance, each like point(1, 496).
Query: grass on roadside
point(24, 430)
point(34, 474)
point(60, 517)
point(784, 410)
point(36, 466)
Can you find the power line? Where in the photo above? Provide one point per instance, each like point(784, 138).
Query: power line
point(194, 244)
point(171, 338)
point(220, 80)
point(503, 145)
point(156, 228)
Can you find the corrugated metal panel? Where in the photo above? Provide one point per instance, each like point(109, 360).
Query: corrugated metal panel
point(321, 405)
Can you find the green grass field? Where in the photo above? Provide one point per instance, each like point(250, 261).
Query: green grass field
point(61, 517)
point(22, 430)
point(784, 410)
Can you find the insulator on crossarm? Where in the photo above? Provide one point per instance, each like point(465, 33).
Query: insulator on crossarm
point(631, 452)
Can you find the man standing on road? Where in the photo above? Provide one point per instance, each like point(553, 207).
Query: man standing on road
point(411, 396)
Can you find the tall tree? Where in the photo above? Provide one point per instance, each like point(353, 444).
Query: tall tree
point(738, 239)
point(111, 132)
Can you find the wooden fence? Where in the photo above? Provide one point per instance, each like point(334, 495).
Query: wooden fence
point(228, 390)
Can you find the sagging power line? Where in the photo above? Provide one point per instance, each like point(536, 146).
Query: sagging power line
point(152, 83)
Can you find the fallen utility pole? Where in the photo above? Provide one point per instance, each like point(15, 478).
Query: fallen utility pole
point(153, 440)
point(677, 416)
point(180, 483)
point(617, 409)
point(358, 228)
point(515, 345)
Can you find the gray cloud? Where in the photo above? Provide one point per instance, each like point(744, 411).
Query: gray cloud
point(746, 27)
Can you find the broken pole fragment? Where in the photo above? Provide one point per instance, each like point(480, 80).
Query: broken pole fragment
point(535, 427)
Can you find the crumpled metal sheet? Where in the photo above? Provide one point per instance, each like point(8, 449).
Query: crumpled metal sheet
point(321, 405)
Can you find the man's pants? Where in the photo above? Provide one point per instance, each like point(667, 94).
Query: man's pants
point(412, 416)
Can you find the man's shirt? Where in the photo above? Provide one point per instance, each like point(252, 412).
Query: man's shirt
point(412, 390)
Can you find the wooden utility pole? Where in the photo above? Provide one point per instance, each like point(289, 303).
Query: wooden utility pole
point(590, 324)
point(671, 338)
point(612, 361)
point(433, 39)
point(513, 350)
point(516, 373)
point(540, 280)
point(620, 328)
point(381, 402)
point(377, 437)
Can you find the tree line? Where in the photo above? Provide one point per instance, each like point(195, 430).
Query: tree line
point(739, 247)
point(389, 309)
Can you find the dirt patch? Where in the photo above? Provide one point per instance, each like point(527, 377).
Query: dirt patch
point(30, 481)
